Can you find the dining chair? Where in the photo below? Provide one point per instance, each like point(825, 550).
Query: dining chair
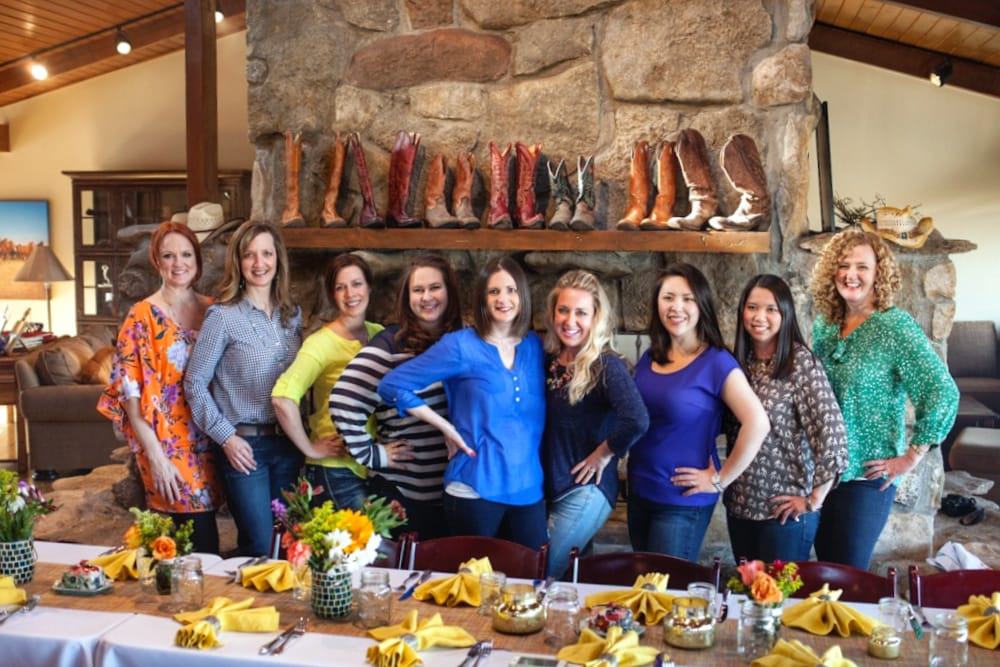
point(951, 589)
point(857, 585)
point(622, 567)
point(446, 554)
point(391, 552)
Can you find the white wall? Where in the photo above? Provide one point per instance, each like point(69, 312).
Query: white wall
point(129, 119)
point(900, 137)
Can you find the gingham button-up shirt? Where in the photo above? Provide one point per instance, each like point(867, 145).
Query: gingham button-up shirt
point(238, 357)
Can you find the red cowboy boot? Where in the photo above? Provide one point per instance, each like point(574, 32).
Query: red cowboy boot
point(666, 189)
point(638, 188)
point(292, 216)
point(693, 156)
point(499, 214)
point(742, 166)
point(461, 194)
point(402, 180)
point(435, 211)
point(527, 162)
point(330, 216)
point(369, 215)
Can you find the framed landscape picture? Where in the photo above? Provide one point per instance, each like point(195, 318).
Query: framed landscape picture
point(23, 225)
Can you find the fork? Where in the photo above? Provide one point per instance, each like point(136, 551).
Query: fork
point(297, 631)
point(484, 652)
point(410, 578)
point(475, 651)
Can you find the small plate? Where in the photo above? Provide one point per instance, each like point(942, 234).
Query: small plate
point(61, 590)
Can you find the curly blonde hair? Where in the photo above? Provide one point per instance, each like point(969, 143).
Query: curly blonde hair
point(826, 300)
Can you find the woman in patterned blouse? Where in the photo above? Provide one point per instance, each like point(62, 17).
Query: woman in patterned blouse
point(876, 357)
point(773, 507)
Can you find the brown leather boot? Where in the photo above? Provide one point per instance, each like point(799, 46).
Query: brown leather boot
point(527, 161)
point(292, 216)
point(638, 188)
point(330, 216)
point(402, 180)
point(583, 216)
point(435, 211)
point(693, 157)
point(742, 165)
point(499, 214)
point(666, 189)
point(369, 214)
point(461, 194)
point(562, 196)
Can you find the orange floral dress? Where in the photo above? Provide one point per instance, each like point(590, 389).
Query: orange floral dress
point(150, 358)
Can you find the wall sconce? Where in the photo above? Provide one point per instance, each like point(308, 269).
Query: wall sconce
point(38, 71)
point(939, 75)
point(122, 45)
point(219, 16)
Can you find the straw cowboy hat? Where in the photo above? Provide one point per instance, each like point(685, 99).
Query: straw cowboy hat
point(203, 218)
point(900, 226)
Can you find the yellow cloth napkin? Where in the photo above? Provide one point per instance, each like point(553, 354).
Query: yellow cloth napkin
point(821, 614)
point(235, 616)
point(458, 588)
point(983, 614)
point(623, 646)
point(9, 594)
point(393, 651)
point(796, 654)
point(120, 565)
point(199, 635)
point(647, 598)
point(276, 575)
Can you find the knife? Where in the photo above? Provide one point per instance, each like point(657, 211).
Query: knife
point(28, 606)
point(268, 648)
point(424, 576)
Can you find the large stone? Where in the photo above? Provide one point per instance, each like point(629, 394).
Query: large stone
point(463, 101)
point(966, 484)
point(942, 319)
point(634, 122)
point(799, 20)
point(381, 15)
point(906, 538)
point(783, 78)
point(546, 43)
point(789, 175)
point(605, 265)
point(493, 14)
point(939, 282)
point(429, 13)
point(448, 54)
point(684, 51)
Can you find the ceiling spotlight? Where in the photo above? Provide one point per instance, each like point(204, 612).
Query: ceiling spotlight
point(939, 75)
point(122, 45)
point(39, 71)
point(219, 16)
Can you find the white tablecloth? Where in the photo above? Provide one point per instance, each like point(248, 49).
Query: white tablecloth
point(52, 637)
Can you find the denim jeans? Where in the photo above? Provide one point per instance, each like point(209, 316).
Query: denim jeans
point(249, 496)
point(524, 524)
point(341, 485)
point(851, 521)
point(768, 540)
point(573, 520)
point(674, 530)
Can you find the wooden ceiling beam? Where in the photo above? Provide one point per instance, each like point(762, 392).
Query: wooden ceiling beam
point(903, 58)
point(986, 12)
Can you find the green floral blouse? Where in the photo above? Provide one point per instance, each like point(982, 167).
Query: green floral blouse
point(873, 371)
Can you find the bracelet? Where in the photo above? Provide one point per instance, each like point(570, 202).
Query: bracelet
point(809, 505)
point(920, 450)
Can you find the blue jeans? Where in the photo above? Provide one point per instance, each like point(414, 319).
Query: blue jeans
point(674, 530)
point(341, 485)
point(249, 496)
point(524, 524)
point(851, 521)
point(573, 520)
point(768, 540)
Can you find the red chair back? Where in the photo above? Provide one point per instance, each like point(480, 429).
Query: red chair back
point(948, 590)
point(392, 553)
point(445, 554)
point(857, 585)
point(621, 569)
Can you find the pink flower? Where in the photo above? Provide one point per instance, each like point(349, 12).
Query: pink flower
point(298, 553)
point(749, 570)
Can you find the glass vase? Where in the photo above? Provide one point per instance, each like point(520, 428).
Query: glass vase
point(331, 592)
point(758, 630)
point(17, 560)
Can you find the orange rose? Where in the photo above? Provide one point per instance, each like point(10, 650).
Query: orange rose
point(765, 590)
point(133, 540)
point(748, 571)
point(164, 548)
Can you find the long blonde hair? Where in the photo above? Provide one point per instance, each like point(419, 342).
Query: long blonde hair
point(232, 287)
point(587, 365)
point(826, 299)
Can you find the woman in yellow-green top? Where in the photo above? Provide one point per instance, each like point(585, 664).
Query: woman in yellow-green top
point(317, 366)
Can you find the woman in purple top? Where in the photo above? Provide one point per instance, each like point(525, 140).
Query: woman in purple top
point(686, 379)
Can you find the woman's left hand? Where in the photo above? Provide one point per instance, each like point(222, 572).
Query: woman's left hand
point(593, 465)
point(695, 479)
point(890, 469)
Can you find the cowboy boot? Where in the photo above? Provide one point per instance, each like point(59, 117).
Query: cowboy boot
point(562, 196)
point(666, 189)
point(583, 217)
point(461, 194)
point(292, 216)
point(693, 156)
point(742, 166)
point(330, 216)
point(527, 162)
point(435, 211)
point(369, 214)
point(499, 215)
point(638, 188)
point(401, 177)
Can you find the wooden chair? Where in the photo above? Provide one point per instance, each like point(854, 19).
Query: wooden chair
point(392, 552)
point(948, 590)
point(445, 554)
point(621, 568)
point(857, 585)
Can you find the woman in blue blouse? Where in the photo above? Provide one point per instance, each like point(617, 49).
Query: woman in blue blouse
point(686, 378)
point(495, 384)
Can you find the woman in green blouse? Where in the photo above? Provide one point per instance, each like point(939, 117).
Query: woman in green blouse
point(876, 357)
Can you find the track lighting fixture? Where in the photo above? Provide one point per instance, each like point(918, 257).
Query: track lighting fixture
point(38, 71)
point(939, 75)
point(122, 45)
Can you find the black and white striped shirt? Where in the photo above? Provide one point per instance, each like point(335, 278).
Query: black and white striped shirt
point(354, 399)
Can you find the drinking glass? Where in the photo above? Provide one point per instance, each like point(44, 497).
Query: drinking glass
point(562, 604)
point(490, 584)
point(374, 599)
point(949, 641)
point(188, 587)
point(705, 591)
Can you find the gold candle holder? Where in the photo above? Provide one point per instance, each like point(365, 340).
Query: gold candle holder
point(689, 625)
point(884, 643)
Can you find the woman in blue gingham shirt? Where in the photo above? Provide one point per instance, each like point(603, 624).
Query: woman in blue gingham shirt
point(247, 340)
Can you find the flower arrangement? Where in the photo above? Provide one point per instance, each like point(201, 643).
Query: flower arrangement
point(157, 535)
point(767, 585)
point(20, 504)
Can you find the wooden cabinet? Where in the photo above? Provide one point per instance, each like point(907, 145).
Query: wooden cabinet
point(105, 202)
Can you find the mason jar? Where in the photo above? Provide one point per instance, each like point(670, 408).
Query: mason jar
point(949, 641)
point(374, 599)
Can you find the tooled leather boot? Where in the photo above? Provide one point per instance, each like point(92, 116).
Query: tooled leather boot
point(693, 157)
point(499, 214)
point(562, 196)
point(527, 161)
point(461, 194)
point(666, 189)
point(292, 216)
point(435, 211)
point(583, 216)
point(330, 217)
point(369, 214)
point(638, 188)
point(402, 180)
point(742, 165)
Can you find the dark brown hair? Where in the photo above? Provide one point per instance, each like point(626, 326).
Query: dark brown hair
point(341, 262)
point(788, 334)
point(707, 328)
point(156, 244)
point(483, 322)
point(412, 335)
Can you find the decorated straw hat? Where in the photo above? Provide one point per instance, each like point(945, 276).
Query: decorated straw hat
point(204, 217)
point(900, 226)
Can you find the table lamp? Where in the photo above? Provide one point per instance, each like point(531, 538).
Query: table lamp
point(42, 266)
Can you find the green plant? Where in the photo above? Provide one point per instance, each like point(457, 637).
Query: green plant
point(149, 526)
point(20, 504)
point(852, 213)
point(767, 584)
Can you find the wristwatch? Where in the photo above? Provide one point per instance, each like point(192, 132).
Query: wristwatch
point(717, 483)
point(809, 505)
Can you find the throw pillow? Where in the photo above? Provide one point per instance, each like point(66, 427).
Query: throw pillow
point(57, 367)
point(97, 370)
